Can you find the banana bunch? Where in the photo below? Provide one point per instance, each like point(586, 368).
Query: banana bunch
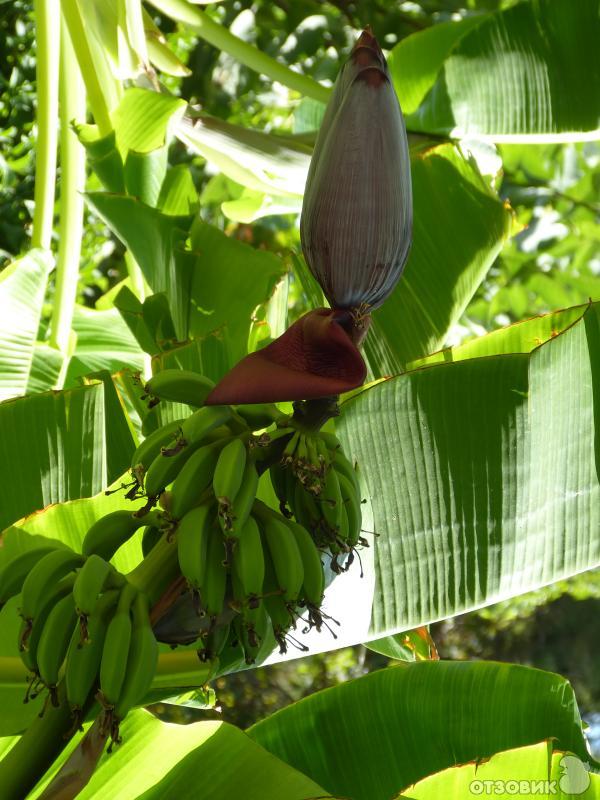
point(320, 486)
point(82, 620)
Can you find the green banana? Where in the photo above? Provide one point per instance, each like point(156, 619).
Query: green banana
point(142, 659)
point(14, 571)
point(213, 641)
point(152, 444)
point(212, 591)
point(330, 500)
point(351, 503)
point(285, 553)
point(112, 530)
point(30, 633)
point(313, 585)
point(43, 576)
point(54, 642)
point(279, 614)
point(166, 467)
point(83, 660)
point(180, 386)
point(251, 634)
point(343, 466)
point(199, 424)
point(193, 534)
point(115, 652)
point(249, 560)
point(150, 537)
point(193, 479)
point(260, 415)
point(236, 515)
point(94, 577)
point(229, 471)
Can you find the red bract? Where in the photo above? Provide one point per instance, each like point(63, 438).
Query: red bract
point(315, 357)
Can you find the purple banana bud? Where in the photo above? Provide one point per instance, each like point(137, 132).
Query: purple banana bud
point(356, 223)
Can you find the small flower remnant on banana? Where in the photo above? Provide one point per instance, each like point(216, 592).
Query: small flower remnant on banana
point(356, 223)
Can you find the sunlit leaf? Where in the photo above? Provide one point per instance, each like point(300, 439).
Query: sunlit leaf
point(22, 291)
point(416, 719)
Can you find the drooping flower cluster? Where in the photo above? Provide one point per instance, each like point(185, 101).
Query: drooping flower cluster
point(356, 232)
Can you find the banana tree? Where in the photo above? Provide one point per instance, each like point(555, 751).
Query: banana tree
point(477, 465)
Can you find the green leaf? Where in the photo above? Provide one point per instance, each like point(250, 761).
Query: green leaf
point(158, 760)
point(254, 205)
point(144, 119)
point(526, 73)
point(454, 245)
point(46, 366)
point(263, 162)
point(529, 772)
point(22, 291)
point(104, 342)
point(178, 195)
point(145, 173)
point(233, 279)
point(411, 720)
point(157, 243)
point(522, 337)
point(482, 476)
point(58, 446)
point(103, 156)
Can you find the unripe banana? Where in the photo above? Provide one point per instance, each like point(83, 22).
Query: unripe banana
point(151, 446)
point(165, 468)
point(193, 479)
point(313, 585)
point(285, 553)
point(43, 576)
point(94, 577)
point(278, 474)
point(331, 441)
point(54, 642)
point(83, 659)
point(180, 386)
point(150, 538)
point(249, 560)
point(330, 500)
point(212, 591)
point(229, 471)
point(112, 530)
point(15, 570)
point(235, 516)
point(251, 634)
point(260, 415)
point(306, 511)
point(343, 466)
point(142, 659)
point(202, 422)
point(351, 502)
point(193, 534)
point(213, 642)
point(113, 664)
point(30, 633)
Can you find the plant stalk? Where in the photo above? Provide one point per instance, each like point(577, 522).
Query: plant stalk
point(96, 95)
point(220, 37)
point(72, 158)
point(36, 750)
point(47, 21)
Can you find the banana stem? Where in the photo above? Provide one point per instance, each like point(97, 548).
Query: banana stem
point(311, 415)
point(47, 20)
point(158, 570)
point(72, 106)
point(36, 750)
point(220, 37)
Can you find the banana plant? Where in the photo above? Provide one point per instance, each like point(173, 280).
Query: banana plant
point(467, 499)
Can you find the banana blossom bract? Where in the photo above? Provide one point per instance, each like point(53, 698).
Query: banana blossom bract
point(356, 224)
